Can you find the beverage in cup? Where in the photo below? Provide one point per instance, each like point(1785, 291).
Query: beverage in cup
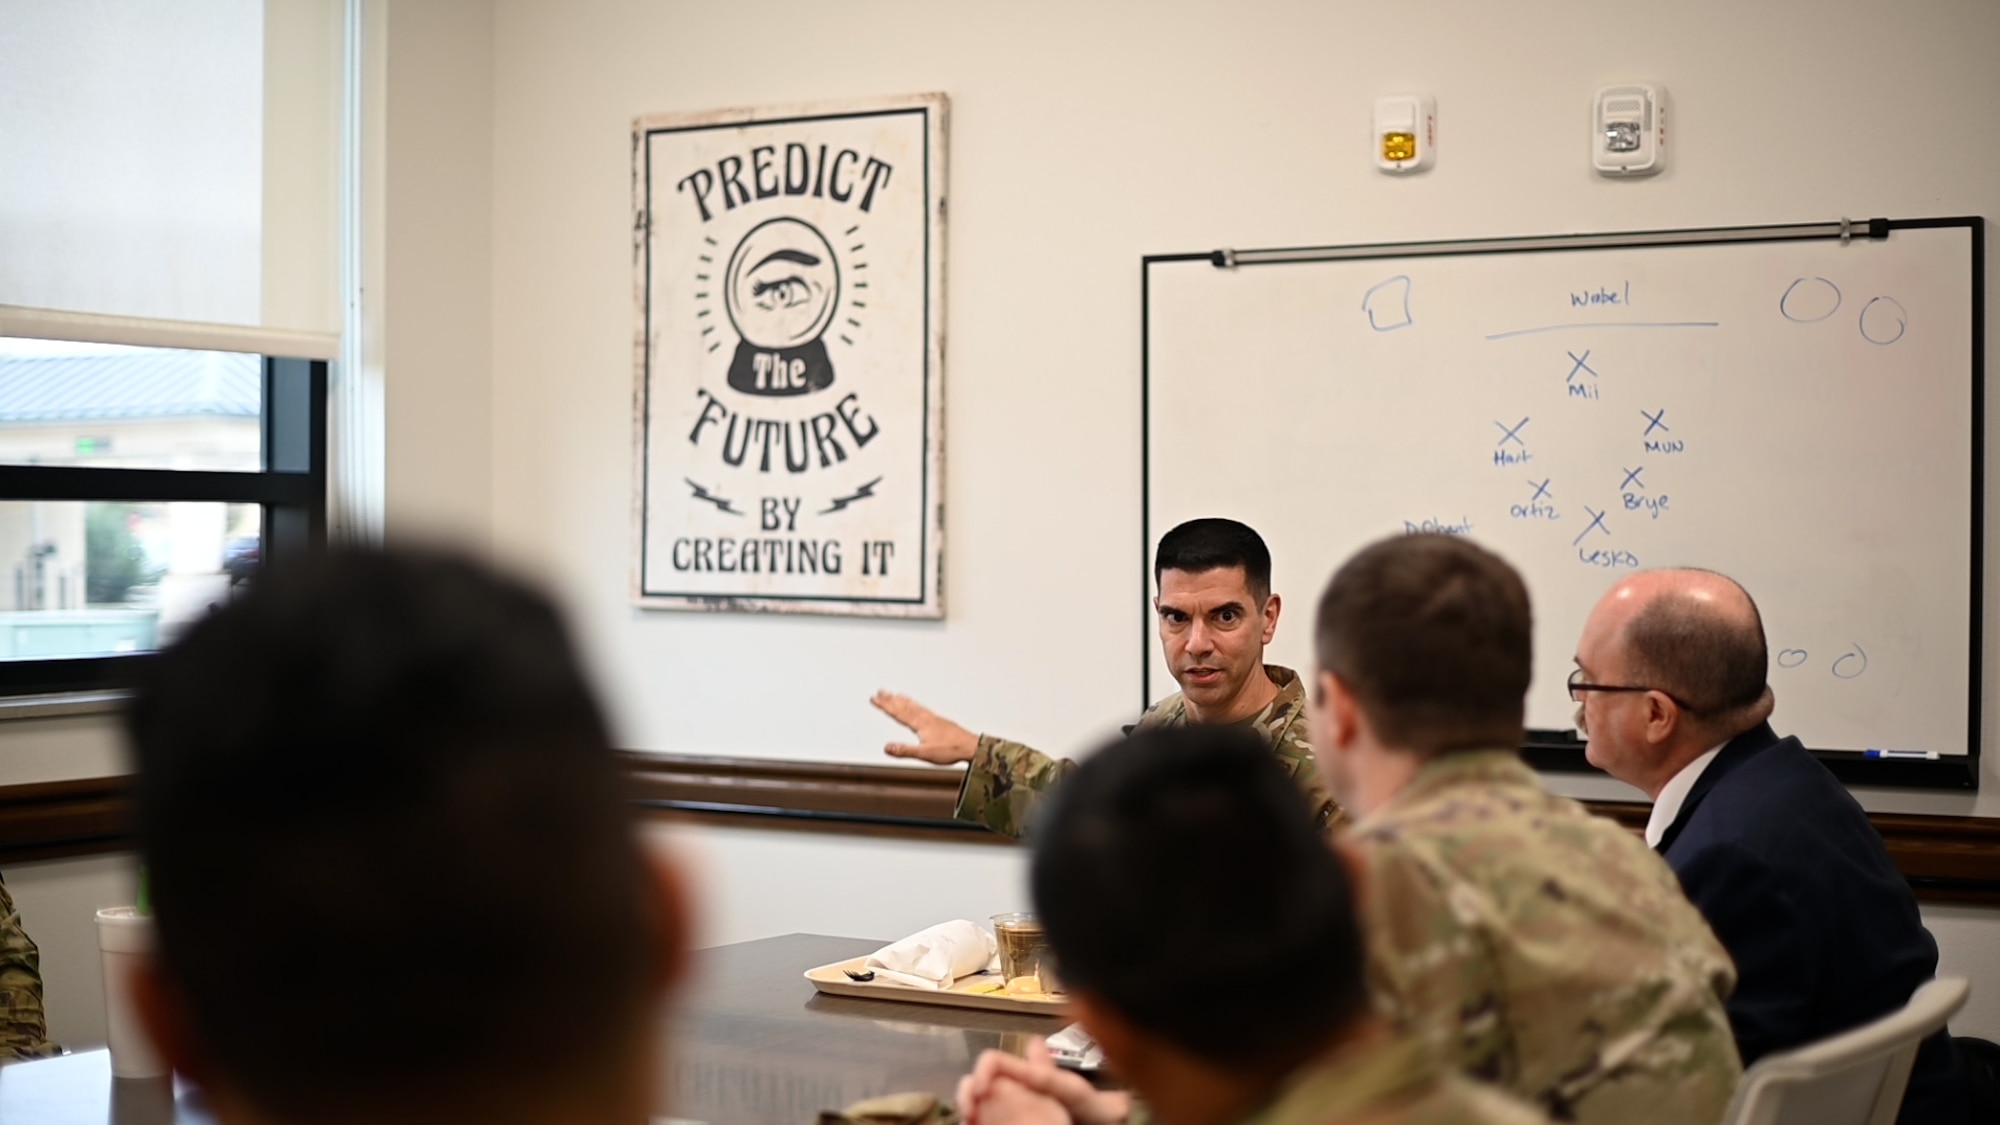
point(1024, 956)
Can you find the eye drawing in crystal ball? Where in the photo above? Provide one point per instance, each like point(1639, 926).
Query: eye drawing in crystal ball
point(781, 290)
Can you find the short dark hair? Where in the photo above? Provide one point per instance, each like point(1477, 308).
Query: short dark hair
point(388, 845)
point(1210, 544)
point(1182, 882)
point(1713, 661)
point(1435, 637)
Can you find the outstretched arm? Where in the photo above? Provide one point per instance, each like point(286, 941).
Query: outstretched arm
point(940, 741)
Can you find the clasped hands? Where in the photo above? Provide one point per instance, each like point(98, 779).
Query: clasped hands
point(1006, 1089)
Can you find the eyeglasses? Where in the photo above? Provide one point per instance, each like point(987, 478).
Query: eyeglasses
point(1577, 687)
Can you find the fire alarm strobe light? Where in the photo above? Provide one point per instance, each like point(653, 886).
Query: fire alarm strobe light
point(1405, 132)
point(1629, 130)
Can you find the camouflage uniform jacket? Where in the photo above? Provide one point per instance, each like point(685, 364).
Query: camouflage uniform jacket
point(1394, 1083)
point(24, 1033)
point(1006, 780)
point(1546, 950)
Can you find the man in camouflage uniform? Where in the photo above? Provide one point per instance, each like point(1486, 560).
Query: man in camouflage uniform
point(24, 1033)
point(1216, 613)
point(1544, 949)
point(1210, 944)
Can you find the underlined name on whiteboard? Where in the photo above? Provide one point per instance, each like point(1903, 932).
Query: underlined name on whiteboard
point(1607, 324)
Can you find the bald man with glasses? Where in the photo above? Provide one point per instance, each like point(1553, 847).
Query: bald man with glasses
point(1672, 694)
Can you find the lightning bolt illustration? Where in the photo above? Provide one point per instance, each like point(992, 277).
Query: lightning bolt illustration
point(701, 493)
point(862, 493)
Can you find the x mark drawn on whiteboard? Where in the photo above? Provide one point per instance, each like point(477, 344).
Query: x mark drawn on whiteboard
point(1596, 524)
point(1581, 364)
point(1653, 421)
point(1512, 433)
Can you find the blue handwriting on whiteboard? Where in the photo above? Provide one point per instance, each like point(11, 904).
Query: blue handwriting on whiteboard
point(1608, 559)
point(1388, 305)
point(1596, 524)
point(1602, 296)
point(1654, 504)
point(1462, 527)
point(1505, 456)
point(1540, 506)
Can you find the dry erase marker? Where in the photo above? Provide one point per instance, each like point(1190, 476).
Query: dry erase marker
point(1914, 755)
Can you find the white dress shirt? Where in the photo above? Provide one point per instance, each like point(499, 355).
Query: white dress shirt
point(1668, 805)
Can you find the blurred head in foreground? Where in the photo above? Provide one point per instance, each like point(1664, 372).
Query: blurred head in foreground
point(1202, 926)
point(394, 873)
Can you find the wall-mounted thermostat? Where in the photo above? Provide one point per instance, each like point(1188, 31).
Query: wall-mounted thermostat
point(1629, 130)
point(1405, 132)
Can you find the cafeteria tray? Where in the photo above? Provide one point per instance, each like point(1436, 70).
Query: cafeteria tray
point(833, 980)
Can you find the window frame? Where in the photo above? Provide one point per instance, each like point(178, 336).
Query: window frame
point(291, 488)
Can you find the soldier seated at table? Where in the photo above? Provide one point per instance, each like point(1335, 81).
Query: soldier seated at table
point(1206, 935)
point(1537, 946)
point(1216, 613)
point(394, 872)
point(24, 1030)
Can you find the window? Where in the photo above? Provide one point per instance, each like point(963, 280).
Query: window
point(139, 487)
point(177, 200)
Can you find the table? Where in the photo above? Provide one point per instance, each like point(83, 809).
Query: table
point(755, 1045)
point(750, 1043)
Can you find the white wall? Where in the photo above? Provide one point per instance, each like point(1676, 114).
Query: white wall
point(436, 306)
point(1084, 136)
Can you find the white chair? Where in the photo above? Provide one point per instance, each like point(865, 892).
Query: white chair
point(1854, 1078)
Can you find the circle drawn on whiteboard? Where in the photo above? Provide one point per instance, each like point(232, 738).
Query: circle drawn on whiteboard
point(1851, 664)
point(1810, 300)
point(782, 285)
point(1883, 321)
point(1791, 657)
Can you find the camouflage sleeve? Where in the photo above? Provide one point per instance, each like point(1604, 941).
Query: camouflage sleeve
point(1004, 785)
point(24, 1031)
point(1295, 754)
point(1287, 734)
point(1428, 965)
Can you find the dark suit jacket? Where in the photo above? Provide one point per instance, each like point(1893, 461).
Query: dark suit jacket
point(1783, 863)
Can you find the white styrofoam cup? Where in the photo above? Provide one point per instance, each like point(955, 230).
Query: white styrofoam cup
point(125, 939)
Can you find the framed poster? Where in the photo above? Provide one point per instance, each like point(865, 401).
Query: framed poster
point(789, 358)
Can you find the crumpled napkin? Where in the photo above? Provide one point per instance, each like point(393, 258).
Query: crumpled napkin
point(936, 957)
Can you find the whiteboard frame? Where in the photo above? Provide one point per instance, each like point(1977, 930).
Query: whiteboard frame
point(1563, 750)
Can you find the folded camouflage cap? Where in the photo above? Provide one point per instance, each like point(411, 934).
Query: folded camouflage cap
point(894, 1109)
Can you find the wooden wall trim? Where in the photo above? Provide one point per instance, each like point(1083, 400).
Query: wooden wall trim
point(55, 819)
point(1946, 858)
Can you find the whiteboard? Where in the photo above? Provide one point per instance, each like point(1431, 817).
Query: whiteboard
point(1797, 411)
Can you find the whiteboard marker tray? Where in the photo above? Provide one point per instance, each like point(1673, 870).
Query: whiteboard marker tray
point(833, 980)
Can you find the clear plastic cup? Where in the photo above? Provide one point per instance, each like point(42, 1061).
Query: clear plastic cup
point(1024, 953)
